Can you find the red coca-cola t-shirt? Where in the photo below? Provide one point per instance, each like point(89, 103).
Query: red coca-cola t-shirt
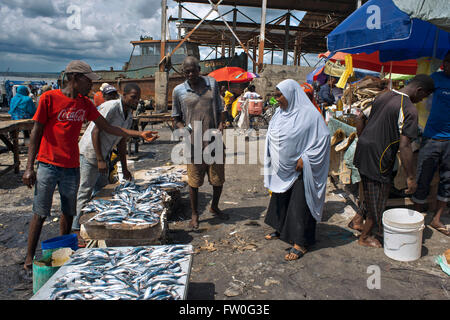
point(62, 118)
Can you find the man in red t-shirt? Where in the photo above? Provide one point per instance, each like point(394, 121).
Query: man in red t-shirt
point(57, 126)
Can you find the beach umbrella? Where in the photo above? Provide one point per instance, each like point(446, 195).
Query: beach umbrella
point(372, 62)
point(317, 74)
point(226, 74)
point(379, 25)
point(245, 76)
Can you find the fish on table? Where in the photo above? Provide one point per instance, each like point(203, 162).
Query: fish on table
point(148, 273)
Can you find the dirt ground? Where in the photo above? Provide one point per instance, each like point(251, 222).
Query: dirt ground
point(233, 260)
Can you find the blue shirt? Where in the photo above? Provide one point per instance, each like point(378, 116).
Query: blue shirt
point(438, 123)
point(325, 96)
point(186, 103)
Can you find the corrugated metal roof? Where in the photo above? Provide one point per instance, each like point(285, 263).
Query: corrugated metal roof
point(321, 6)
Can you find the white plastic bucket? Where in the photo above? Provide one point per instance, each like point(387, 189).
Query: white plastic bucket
point(403, 229)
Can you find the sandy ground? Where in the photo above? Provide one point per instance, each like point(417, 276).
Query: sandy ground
point(233, 260)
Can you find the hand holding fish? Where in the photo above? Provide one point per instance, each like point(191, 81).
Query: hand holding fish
point(149, 136)
point(102, 168)
point(127, 174)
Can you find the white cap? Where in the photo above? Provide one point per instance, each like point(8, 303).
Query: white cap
point(103, 86)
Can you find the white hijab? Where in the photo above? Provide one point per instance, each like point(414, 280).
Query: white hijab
point(298, 132)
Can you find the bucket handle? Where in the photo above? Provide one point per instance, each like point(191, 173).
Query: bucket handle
point(386, 245)
point(406, 230)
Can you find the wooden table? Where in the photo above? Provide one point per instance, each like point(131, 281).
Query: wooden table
point(9, 134)
point(154, 118)
point(148, 118)
point(5, 116)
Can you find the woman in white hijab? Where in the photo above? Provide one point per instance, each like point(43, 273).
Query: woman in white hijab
point(296, 163)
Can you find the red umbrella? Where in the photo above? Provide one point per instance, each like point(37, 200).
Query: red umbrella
point(372, 62)
point(227, 74)
point(244, 76)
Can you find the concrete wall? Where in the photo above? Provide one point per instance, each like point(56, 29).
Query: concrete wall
point(271, 75)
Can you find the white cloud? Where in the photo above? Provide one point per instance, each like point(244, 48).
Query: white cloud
point(35, 35)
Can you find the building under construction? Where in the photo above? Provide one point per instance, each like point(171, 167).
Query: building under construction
point(258, 37)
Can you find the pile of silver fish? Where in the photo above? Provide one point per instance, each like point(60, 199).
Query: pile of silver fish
point(138, 273)
point(131, 204)
point(166, 179)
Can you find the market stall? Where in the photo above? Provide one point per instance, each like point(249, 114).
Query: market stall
point(398, 35)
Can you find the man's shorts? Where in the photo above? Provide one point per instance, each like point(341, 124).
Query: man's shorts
point(47, 178)
point(433, 155)
point(196, 174)
point(376, 195)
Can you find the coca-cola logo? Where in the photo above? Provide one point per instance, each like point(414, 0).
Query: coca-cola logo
point(71, 115)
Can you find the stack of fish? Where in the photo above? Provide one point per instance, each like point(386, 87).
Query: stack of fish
point(131, 204)
point(149, 273)
point(167, 180)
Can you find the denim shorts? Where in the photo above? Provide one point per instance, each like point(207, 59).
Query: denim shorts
point(48, 177)
point(433, 155)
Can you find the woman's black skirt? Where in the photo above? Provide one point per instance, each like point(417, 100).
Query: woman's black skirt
point(289, 214)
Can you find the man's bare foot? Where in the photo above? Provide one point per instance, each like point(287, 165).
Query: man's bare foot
point(439, 226)
point(194, 222)
point(218, 213)
point(354, 226)
point(357, 223)
point(369, 242)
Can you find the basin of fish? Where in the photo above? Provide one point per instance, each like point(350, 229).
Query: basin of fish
point(165, 179)
point(131, 204)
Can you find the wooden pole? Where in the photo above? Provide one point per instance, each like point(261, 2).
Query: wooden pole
point(254, 54)
point(262, 36)
point(163, 33)
point(286, 39)
point(233, 40)
point(223, 45)
point(180, 14)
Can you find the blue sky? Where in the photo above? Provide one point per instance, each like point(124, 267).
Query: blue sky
point(44, 35)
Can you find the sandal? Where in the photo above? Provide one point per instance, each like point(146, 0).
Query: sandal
point(274, 235)
point(298, 253)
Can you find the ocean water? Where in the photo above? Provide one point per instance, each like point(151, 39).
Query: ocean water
point(15, 78)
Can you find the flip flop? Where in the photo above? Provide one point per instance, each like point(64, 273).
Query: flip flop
point(194, 227)
point(273, 236)
point(298, 253)
point(442, 230)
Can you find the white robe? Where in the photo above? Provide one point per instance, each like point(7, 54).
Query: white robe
point(298, 132)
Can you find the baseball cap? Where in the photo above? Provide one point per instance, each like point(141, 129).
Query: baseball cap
point(78, 66)
point(108, 89)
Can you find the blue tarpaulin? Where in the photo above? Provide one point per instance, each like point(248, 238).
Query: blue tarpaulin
point(379, 25)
